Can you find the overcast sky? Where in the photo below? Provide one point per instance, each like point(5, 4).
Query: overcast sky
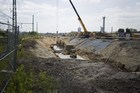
point(119, 14)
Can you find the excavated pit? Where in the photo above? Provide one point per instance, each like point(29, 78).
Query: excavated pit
point(82, 76)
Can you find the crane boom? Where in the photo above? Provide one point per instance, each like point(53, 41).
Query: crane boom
point(79, 18)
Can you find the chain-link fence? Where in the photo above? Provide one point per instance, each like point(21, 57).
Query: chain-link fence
point(8, 47)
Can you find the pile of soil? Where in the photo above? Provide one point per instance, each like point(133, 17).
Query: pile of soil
point(42, 48)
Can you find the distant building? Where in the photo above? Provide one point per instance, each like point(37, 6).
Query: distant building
point(101, 30)
point(79, 29)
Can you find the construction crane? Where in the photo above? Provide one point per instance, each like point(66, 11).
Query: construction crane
point(86, 34)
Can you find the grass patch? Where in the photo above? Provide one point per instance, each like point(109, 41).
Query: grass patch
point(2, 48)
point(31, 82)
point(4, 66)
point(3, 43)
point(23, 49)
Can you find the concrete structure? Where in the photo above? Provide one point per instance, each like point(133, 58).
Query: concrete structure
point(104, 24)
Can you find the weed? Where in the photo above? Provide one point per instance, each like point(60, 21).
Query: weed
point(25, 82)
point(20, 82)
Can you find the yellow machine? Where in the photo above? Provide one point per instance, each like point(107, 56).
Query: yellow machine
point(85, 34)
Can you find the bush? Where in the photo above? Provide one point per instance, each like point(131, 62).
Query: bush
point(21, 82)
point(47, 83)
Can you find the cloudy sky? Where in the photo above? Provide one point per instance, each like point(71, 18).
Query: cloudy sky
point(119, 14)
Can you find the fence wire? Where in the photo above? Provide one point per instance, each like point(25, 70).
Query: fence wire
point(8, 49)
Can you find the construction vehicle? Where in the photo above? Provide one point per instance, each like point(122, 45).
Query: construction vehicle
point(70, 50)
point(128, 34)
point(136, 35)
point(84, 34)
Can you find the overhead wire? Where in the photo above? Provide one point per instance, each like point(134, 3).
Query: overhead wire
point(2, 11)
point(4, 14)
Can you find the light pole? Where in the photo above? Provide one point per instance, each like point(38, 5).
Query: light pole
point(32, 23)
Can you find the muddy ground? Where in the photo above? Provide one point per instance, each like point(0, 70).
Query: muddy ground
point(82, 76)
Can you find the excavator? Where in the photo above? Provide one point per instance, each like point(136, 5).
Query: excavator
point(84, 34)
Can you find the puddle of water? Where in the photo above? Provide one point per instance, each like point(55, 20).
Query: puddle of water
point(56, 48)
point(62, 56)
point(68, 56)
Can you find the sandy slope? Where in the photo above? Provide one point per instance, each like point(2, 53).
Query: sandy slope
point(42, 48)
point(124, 53)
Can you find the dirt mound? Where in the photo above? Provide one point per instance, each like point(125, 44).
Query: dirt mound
point(42, 48)
point(124, 54)
point(29, 44)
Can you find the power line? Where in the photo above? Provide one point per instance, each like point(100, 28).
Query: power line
point(5, 23)
point(4, 5)
point(4, 14)
point(31, 23)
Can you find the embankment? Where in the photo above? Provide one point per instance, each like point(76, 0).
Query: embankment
point(123, 54)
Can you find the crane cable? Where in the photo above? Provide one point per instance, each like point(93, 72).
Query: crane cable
point(57, 17)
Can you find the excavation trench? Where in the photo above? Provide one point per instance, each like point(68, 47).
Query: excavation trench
point(82, 76)
point(59, 53)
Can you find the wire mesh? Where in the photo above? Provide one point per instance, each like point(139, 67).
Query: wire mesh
point(8, 45)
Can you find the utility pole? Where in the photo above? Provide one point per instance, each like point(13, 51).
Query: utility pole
point(104, 24)
point(14, 21)
point(33, 23)
point(14, 30)
point(36, 26)
point(111, 30)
